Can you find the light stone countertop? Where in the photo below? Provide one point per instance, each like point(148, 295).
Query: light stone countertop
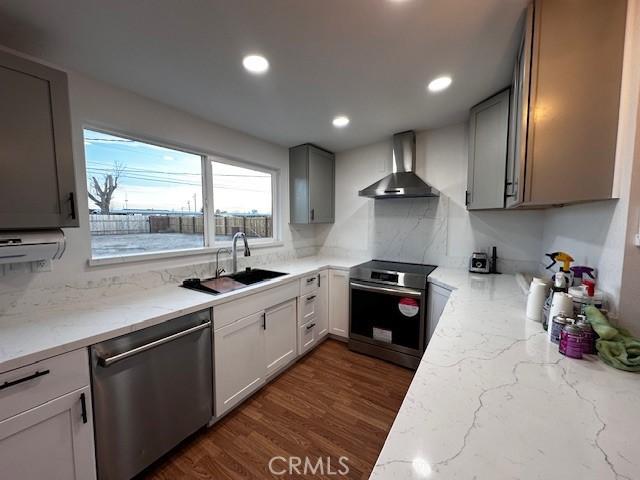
point(47, 331)
point(493, 399)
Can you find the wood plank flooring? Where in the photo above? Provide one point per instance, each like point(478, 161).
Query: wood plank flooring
point(333, 403)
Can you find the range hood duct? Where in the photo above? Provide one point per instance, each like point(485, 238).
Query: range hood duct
point(403, 182)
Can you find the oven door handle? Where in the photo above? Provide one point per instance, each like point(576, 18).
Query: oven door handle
point(394, 291)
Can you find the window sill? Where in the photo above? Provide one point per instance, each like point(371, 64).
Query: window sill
point(145, 257)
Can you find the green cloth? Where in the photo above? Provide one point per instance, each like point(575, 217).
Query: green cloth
point(616, 347)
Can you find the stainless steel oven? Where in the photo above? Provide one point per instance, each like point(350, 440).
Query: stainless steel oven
point(388, 311)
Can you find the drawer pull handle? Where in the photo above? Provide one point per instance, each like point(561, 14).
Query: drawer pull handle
point(310, 298)
point(311, 280)
point(24, 379)
point(310, 326)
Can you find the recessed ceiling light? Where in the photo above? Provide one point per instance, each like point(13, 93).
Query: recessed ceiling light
point(256, 64)
point(340, 121)
point(439, 84)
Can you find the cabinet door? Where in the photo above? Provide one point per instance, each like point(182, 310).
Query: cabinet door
point(438, 298)
point(37, 182)
point(299, 184)
point(240, 366)
point(488, 130)
point(53, 440)
point(339, 303)
point(280, 336)
point(519, 117)
point(321, 186)
point(322, 314)
point(576, 72)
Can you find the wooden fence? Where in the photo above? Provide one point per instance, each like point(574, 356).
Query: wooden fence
point(118, 224)
point(226, 225)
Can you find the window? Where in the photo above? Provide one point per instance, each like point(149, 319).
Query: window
point(243, 201)
point(146, 198)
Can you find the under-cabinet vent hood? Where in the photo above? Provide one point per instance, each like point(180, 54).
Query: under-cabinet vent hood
point(403, 182)
point(31, 246)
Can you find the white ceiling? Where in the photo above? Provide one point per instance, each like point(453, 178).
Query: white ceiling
point(368, 59)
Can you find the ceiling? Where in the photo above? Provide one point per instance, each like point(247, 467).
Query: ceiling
point(368, 59)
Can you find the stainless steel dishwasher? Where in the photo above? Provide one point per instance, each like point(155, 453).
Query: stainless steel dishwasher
point(151, 389)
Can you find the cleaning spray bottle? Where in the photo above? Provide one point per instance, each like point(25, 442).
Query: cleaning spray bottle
point(581, 273)
point(566, 260)
point(559, 285)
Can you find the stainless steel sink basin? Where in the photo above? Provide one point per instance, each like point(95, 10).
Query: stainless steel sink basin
point(251, 276)
point(231, 282)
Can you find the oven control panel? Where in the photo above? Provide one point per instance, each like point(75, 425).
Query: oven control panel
point(384, 276)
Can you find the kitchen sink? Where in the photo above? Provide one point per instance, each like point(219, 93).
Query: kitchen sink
point(251, 276)
point(231, 282)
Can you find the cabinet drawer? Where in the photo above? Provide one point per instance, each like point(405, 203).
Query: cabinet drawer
point(309, 283)
point(227, 313)
point(307, 308)
point(307, 337)
point(40, 382)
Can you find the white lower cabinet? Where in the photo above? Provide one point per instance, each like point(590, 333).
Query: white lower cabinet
point(253, 338)
point(339, 303)
point(49, 441)
point(280, 336)
point(46, 420)
point(322, 316)
point(438, 298)
point(240, 366)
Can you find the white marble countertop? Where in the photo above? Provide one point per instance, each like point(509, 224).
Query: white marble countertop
point(47, 331)
point(493, 399)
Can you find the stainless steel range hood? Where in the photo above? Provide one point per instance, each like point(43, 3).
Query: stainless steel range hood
point(403, 182)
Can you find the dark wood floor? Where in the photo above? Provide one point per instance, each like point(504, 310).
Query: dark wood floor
point(332, 403)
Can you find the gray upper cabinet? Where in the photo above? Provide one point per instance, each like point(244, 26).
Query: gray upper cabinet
point(488, 135)
point(311, 184)
point(566, 96)
point(37, 183)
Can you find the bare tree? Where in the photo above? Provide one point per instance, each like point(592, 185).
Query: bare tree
point(101, 193)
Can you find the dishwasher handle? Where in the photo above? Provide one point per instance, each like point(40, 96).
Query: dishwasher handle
point(107, 361)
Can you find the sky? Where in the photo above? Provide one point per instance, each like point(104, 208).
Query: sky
point(160, 178)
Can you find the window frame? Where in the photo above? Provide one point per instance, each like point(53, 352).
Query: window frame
point(207, 158)
point(210, 202)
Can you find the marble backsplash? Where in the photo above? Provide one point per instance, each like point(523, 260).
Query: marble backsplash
point(429, 232)
point(18, 299)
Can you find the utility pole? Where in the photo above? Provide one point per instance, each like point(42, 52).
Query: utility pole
point(195, 207)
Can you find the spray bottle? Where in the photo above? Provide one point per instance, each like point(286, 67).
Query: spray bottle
point(559, 285)
point(582, 273)
point(565, 269)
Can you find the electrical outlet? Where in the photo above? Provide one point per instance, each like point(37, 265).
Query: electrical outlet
point(41, 266)
point(636, 240)
point(15, 268)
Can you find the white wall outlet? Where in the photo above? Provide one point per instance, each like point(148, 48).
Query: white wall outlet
point(41, 266)
point(15, 268)
point(636, 240)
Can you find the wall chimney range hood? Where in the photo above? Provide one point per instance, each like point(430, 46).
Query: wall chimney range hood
point(403, 182)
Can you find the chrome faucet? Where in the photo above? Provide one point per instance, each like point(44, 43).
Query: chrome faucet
point(234, 250)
